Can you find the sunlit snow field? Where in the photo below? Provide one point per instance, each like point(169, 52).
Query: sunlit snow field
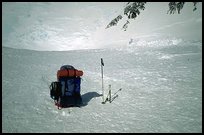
point(156, 63)
point(161, 82)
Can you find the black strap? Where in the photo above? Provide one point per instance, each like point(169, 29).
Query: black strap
point(66, 86)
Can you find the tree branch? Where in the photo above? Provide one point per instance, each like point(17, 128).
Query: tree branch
point(132, 10)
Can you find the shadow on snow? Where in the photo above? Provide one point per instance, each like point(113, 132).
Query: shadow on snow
point(88, 96)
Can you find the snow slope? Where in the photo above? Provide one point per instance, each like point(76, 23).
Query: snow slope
point(161, 85)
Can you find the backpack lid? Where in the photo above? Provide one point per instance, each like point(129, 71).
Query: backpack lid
point(66, 67)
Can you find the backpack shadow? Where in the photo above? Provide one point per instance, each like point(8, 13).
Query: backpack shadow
point(86, 98)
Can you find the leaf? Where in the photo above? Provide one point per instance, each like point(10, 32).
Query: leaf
point(114, 21)
point(126, 25)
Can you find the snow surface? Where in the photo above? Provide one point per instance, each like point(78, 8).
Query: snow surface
point(72, 25)
point(160, 79)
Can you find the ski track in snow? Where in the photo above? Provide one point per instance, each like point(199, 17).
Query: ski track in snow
point(161, 90)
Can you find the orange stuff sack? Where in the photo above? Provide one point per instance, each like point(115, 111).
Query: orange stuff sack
point(69, 73)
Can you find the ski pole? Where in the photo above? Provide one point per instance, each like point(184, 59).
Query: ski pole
point(109, 93)
point(102, 64)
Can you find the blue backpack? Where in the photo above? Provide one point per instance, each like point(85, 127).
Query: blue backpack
point(66, 90)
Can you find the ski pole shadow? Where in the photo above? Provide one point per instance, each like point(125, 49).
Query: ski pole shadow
point(88, 96)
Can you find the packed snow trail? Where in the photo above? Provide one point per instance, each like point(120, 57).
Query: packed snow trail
point(161, 89)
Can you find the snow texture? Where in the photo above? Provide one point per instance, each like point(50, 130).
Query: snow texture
point(161, 82)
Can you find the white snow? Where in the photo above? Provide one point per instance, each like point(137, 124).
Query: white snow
point(161, 89)
point(159, 72)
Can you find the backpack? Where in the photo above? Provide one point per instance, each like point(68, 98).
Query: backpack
point(66, 91)
point(55, 90)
